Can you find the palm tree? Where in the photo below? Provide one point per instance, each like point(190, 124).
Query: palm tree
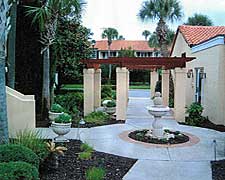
point(199, 20)
point(162, 10)
point(110, 34)
point(47, 15)
point(4, 29)
point(146, 33)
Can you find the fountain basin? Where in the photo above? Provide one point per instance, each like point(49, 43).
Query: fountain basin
point(158, 111)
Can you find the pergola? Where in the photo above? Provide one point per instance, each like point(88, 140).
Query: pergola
point(92, 81)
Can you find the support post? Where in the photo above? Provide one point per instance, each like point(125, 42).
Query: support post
point(179, 94)
point(121, 93)
point(165, 87)
point(88, 90)
point(153, 80)
point(97, 88)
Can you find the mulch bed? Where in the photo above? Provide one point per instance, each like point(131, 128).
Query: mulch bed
point(218, 170)
point(72, 168)
point(210, 125)
point(139, 135)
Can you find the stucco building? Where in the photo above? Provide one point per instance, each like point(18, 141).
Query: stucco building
point(206, 75)
point(141, 48)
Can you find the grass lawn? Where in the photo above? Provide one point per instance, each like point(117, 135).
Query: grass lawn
point(80, 86)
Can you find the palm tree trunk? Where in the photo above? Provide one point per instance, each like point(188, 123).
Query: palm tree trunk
point(46, 84)
point(4, 138)
point(110, 66)
point(161, 31)
point(12, 46)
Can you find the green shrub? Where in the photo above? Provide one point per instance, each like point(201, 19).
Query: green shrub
point(18, 171)
point(95, 173)
point(195, 110)
point(32, 140)
point(63, 118)
point(97, 118)
point(195, 117)
point(106, 92)
point(85, 155)
point(17, 152)
point(56, 108)
point(111, 104)
point(69, 101)
point(85, 147)
point(158, 86)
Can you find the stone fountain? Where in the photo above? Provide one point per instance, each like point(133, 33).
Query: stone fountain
point(157, 110)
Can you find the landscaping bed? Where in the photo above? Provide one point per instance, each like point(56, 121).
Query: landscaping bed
point(218, 170)
point(71, 167)
point(141, 135)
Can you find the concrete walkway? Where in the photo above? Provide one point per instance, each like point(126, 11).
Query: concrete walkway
point(154, 163)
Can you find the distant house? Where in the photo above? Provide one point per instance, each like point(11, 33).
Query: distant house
point(141, 48)
point(206, 74)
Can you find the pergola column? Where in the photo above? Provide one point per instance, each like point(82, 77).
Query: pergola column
point(179, 94)
point(153, 80)
point(128, 81)
point(89, 93)
point(165, 87)
point(97, 88)
point(121, 93)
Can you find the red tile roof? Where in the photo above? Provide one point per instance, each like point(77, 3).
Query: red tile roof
point(118, 44)
point(197, 34)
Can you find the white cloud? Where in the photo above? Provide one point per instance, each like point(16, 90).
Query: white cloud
point(122, 15)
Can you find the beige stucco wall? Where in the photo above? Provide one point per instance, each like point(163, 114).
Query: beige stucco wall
point(20, 111)
point(213, 62)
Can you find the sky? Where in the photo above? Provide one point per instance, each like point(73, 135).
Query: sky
point(122, 15)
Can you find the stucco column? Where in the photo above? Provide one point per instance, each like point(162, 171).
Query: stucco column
point(121, 93)
point(89, 90)
point(180, 94)
point(128, 79)
point(97, 88)
point(165, 87)
point(153, 80)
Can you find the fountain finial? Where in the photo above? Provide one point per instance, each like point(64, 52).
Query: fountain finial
point(158, 99)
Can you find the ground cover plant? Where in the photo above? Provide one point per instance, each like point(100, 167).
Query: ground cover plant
point(175, 137)
point(95, 173)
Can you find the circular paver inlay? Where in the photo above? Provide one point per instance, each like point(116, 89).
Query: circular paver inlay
point(192, 141)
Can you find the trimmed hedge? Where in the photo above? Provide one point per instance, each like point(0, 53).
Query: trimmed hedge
point(17, 171)
point(16, 152)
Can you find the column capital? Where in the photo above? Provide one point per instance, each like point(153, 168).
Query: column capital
point(98, 70)
point(180, 70)
point(165, 71)
point(89, 71)
point(121, 70)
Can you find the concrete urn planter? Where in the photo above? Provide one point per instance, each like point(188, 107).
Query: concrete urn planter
point(110, 110)
point(53, 115)
point(61, 129)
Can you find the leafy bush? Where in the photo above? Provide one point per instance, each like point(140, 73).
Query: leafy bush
point(95, 173)
point(195, 114)
point(111, 104)
point(56, 108)
point(106, 92)
point(32, 140)
point(97, 118)
point(85, 155)
point(17, 152)
point(71, 102)
point(195, 110)
point(63, 118)
point(158, 86)
point(18, 170)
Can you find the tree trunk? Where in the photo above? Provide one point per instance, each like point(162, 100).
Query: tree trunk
point(4, 138)
point(161, 31)
point(12, 47)
point(46, 84)
point(110, 67)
